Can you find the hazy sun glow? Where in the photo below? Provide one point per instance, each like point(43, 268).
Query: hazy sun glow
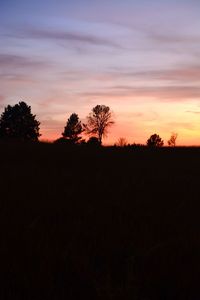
point(140, 57)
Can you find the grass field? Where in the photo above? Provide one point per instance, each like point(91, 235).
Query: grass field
point(104, 223)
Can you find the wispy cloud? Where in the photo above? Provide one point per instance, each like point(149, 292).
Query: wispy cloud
point(50, 123)
point(17, 61)
point(188, 73)
point(165, 93)
point(170, 37)
point(181, 125)
point(64, 36)
point(193, 112)
point(185, 73)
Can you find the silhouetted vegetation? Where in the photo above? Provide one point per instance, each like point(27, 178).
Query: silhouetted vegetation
point(17, 122)
point(122, 142)
point(172, 141)
point(82, 221)
point(73, 129)
point(155, 141)
point(98, 121)
point(93, 141)
point(107, 223)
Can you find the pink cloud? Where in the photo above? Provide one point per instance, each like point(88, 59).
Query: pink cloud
point(164, 93)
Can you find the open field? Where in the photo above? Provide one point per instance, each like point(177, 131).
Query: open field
point(104, 223)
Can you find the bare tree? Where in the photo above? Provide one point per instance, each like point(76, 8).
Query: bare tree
point(98, 122)
point(122, 142)
point(172, 140)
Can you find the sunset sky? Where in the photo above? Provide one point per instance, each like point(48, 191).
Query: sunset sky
point(140, 57)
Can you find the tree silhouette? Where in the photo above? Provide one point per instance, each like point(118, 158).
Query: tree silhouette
point(155, 141)
point(73, 129)
point(172, 140)
point(122, 142)
point(98, 122)
point(17, 122)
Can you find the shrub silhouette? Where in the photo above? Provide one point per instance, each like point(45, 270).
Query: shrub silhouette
point(122, 142)
point(93, 141)
point(63, 141)
point(172, 140)
point(17, 122)
point(155, 141)
point(98, 121)
point(73, 129)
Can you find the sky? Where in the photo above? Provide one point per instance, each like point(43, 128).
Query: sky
point(139, 57)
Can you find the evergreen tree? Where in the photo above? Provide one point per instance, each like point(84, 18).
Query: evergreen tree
point(17, 122)
point(73, 129)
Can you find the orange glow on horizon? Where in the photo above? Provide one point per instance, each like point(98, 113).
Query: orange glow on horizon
point(138, 120)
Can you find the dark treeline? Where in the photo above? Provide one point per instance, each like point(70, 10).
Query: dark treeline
point(99, 223)
point(96, 222)
point(17, 122)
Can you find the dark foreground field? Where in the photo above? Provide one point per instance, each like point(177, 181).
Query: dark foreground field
point(99, 223)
